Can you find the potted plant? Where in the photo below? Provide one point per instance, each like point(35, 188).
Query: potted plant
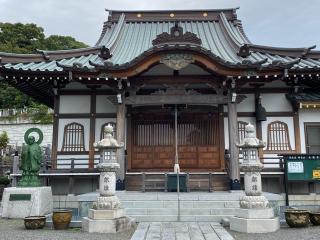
point(4, 182)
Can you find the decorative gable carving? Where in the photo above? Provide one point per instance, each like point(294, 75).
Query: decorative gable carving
point(177, 61)
point(176, 36)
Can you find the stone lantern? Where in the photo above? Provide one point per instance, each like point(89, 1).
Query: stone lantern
point(252, 167)
point(254, 215)
point(106, 216)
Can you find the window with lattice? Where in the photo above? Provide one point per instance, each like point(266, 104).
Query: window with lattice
point(73, 138)
point(278, 137)
point(114, 133)
point(241, 130)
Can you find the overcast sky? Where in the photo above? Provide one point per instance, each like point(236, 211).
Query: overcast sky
point(288, 23)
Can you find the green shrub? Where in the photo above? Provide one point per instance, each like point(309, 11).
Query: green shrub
point(4, 180)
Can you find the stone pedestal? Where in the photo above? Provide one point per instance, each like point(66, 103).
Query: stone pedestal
point(254, 225)
point(107, 226)
point(254, 216)
point(28, 201)
point(106, 216)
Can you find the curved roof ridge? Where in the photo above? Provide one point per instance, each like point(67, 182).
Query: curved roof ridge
point(45, 55)
point(227, 32)
point(302, 52)
point(174, 10)
point(115, 33)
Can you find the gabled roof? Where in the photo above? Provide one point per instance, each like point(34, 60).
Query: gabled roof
point(128, 35)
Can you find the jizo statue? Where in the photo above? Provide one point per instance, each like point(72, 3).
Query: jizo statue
point(31, 159)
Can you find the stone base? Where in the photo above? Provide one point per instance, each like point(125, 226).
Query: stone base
point(266, 213)
point(106, 214)
point(107, 226)
point(106, 203)
point(254, 202)
point(26, 201)
point(254, 225)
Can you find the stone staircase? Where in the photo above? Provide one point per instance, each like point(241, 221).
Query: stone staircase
point(163, 207)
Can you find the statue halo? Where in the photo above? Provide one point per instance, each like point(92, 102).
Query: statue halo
point(32, 130)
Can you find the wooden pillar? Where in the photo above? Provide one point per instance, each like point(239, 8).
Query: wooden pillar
point(121, 115)
point(55, 131)
point(221, 137)
point(92, 129)
point(259, 136)
point(233, 149)
point(297, 131)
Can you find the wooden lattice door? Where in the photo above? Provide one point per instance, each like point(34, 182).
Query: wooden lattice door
point(153, 146)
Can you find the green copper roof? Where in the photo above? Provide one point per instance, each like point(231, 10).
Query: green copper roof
point(128, 37)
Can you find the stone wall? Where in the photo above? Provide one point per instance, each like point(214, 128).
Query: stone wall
point(17, 128)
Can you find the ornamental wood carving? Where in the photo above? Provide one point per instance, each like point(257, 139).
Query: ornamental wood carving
point(176, 36)
point(177, 61)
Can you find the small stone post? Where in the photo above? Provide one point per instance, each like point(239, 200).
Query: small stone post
point(255, 215)
point(106, 216)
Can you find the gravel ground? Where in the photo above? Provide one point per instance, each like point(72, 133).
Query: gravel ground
point(14, 230)
point(285, 233)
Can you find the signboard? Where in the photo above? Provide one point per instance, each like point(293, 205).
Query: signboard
point(303, 167)
point(20, 197)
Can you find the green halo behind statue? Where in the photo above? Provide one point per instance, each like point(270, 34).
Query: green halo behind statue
point(31, 159)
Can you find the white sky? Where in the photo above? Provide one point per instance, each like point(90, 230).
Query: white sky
point(286, 23)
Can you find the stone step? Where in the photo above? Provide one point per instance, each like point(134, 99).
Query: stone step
point(183, 218)
point(183, 204)
point(183, 211)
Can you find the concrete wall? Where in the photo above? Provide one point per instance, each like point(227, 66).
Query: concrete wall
point(16, 132)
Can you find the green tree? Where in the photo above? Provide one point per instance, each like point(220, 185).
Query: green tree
point(27, 38)
point(4, 140)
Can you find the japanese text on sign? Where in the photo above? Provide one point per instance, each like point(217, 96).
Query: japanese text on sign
point(295, 167)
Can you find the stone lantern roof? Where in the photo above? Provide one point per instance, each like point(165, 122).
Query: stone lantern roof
point(250, 140)
point(109, 141)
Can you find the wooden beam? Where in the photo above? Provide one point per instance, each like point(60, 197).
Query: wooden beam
point(176, 99)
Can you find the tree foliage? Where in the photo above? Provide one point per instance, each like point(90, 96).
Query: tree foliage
point(4, 140)
point(27, 38)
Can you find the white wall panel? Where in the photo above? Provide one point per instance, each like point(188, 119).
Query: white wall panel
point(75, 104)
point(247, 105)
point(104, 105)
point(276, 102)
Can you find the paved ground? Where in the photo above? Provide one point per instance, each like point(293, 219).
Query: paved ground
point(14, 230)
point(285, 233)
point(181, 231)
